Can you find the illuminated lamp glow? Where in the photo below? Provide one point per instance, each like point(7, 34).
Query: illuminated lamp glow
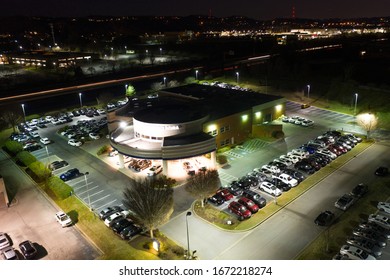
point(258, 115)
point(212, 127)
point(278, 108)
point(244, 118)
point(122, 124)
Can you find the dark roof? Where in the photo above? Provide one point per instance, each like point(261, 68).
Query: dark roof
point(185, 140)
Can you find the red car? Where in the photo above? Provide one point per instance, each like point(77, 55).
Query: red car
point(225, 194)
point(249, 204)
point(240, 210)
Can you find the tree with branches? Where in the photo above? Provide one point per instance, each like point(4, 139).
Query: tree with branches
point(368, 122)
point(150, 201)
point(11, 115)
point(203, 184)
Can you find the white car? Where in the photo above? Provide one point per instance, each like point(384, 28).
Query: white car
point(292, 158)
point(4, 241)
point(270, 188)
point(94, 136)
point(45, 140)
point(9, 254)
point(270, 168)
point(284, 161)
point(298, 152)
point(101, 111)
point(380, 220)
point(154, 170)
point(327, 153)
point(63, 219)
point(34, 134)
point(75, 143)
point(113, 217)
point(285, 178)
point(307, 123)
point(384, 207)
point(355, 253)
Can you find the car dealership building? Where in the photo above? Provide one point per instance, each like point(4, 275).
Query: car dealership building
point(190, 121)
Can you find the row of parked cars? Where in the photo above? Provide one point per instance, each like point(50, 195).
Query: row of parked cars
point(369, 238)
point(27, 248)
point(119, 221)
point(297, 120)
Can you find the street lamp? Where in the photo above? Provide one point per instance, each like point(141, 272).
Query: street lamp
point(24, 113)
point(188, 236)
point(356, 98)
point(165, 81)
point(237, 77)
point(160, 51)
point(308, 91)
point(81, 101)
point(196, 74)
point(86, 184)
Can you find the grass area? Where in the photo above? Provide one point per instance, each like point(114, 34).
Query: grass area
point(220, 219)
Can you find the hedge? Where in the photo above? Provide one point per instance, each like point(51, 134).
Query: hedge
point(25, 158)
point(59, 188)
point(40, 172)
point(13, 147)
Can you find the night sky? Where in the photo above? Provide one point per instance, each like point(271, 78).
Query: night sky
point(258, 9)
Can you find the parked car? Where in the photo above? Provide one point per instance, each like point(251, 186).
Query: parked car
point(249, 204)
point(9, 253)
point(360, 190)
point(295, 174)
point(270, 189)
point(287, 179)
point(57, 164)
point(382, 171)
point(325, 218)
point(366, 245)
point(270, 168)
point(255, 197)
point(94, 135)
point(130, 231)
point(106, 212)
point(381, 220)
point(384, 207)
point(216, 199)
point(154, 170)
point(225, 194)
point(370, 234)
point(234, 188)
point(376, 228)
point(345, 201)
point(70, 174)
point(45, 141)
point(119, 224)
point(356, 253)
point(240, 210)
point(28, 249)
point(109, 221)
point(75, 143)
point(63, 219)
point(4, 240)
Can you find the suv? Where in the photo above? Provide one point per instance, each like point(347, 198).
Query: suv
point(255, 197)
point(345, 201)
point(240, 210)
point(289, 180)
point(70, 174)
point(270, 188)
point(249, 204)
point(28, 249)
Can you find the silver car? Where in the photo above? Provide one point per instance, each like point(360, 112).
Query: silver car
point(380, 220)
point(367, 245)
point(355, 253)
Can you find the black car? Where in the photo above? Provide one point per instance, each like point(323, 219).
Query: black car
point(279, 184)
point(370, 234)
point(130, 231)
point(360, 190)
point(295, 174)
point(376, 227)
point(120, 224)
point(216, 199)
point(324, 218)
point(305, 167)
point(70, 174)
point(28, 249)
point(234, 188)
point(382, 171)
point(105, 213)
point(255, 197)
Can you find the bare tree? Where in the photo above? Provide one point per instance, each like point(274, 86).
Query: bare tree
point(10, 115)
point(150, 201)
point(203, 184)
point(368, 122)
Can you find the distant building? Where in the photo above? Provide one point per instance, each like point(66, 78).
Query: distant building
point(49, 59)
point(3, 194)
point(190, 121)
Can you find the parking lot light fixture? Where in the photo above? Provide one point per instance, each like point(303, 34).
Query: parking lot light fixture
point(81, 100)
point(165, 81)
point(196, 74)
point(188, 255)
point(356, 99)
point(237, 77)
point(308, 91)
point(24, 113)
point(86, 184)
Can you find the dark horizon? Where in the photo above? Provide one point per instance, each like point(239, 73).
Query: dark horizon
point(255, 9)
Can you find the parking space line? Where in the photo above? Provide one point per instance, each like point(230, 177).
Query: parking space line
point(106, 205)
point(101, 198)
point(88, 190)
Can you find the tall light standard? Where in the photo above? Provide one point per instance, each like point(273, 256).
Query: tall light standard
point(81, 100)
point(237, 77)
point(356, 98)
point(86, 183)
point(196, 74)
point(308, 91)
point(24, 113)
point(165, 81)
point(160, 51)
point(188, 236)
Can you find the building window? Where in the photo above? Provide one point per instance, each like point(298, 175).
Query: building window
point(225, 128)
point(225, 142)
point(213, 132)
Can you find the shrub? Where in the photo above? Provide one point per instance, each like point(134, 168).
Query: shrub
point(59, 187)
point(221, 159)
point(40, 171)
point(13, 147)
point(103, 150)
point(25, 158)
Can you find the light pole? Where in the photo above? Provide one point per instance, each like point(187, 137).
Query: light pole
point(308, 91)
point(160, 51)
point(24, 113)
point(86, 183)
point(188, 236)
point(165, 81)
point(356, 98)
point(196, 74)
point(81, 101)
point(237, 77)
